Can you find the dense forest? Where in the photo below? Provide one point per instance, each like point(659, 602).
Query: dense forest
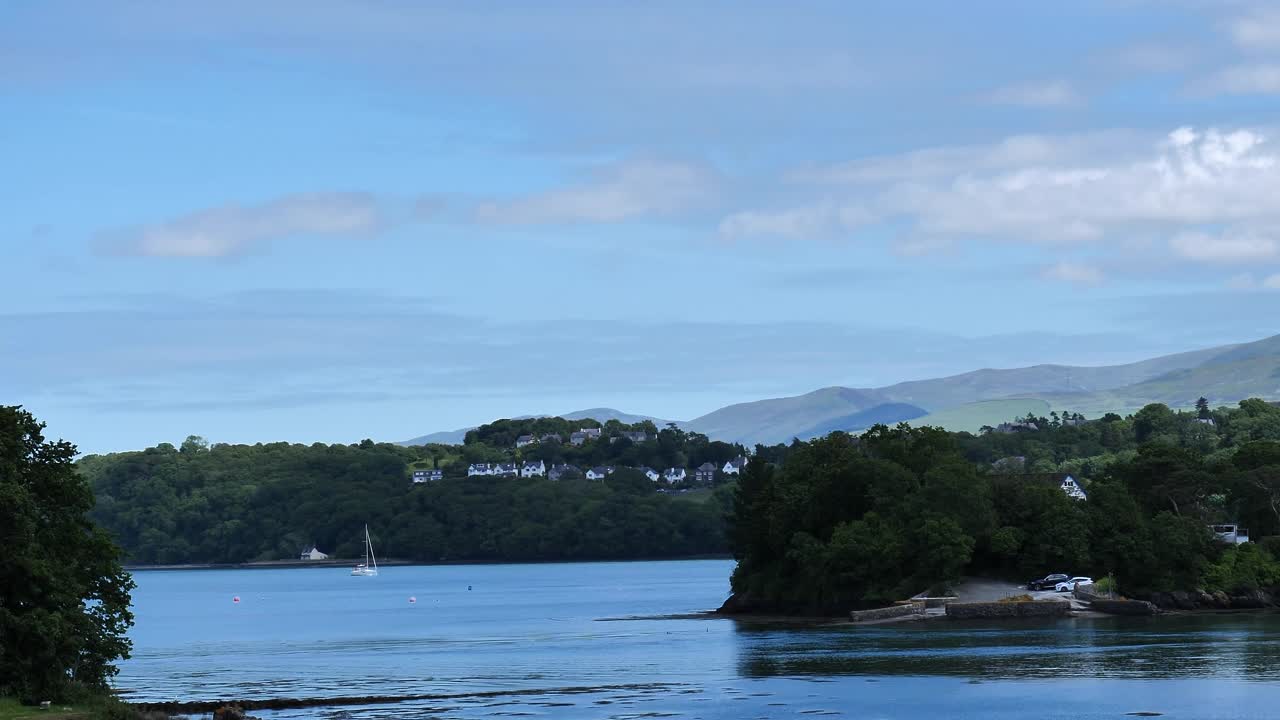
point(234, 503)
point(817, 526)
point(846, 521)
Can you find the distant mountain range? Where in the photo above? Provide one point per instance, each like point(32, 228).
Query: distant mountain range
point(1224, 375)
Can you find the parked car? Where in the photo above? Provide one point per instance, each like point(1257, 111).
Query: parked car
point(1070, 585)
point(1048, 581)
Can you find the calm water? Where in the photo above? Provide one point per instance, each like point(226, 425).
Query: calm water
point(581, 641)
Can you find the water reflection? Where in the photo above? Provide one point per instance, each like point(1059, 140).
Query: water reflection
point(1230, 647)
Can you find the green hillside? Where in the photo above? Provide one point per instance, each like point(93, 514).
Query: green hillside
point(972, 416)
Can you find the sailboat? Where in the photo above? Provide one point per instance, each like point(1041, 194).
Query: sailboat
point(368, 568)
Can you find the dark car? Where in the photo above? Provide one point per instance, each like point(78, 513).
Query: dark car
point(1048, 581)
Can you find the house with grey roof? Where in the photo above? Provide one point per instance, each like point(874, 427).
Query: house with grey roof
point(673, 475)
point(633, 436)
point(705, 474)
point(533, 469)
point(425, 476)
point(480, 469)
point(506, 470)
point(599, 472)
point(561, 470)
point(734, 466)
point(525, 441)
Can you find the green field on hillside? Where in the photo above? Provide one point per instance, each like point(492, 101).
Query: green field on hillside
point(972, 416)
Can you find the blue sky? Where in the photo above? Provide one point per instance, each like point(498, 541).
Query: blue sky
point(324, 221)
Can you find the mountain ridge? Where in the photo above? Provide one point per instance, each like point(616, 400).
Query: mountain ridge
point(1223, 374)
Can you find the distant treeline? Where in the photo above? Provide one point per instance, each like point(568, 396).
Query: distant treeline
point(666, 447)
point(234, 503)
point(845, 522)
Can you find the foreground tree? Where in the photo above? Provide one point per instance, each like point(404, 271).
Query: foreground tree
point(64, 599)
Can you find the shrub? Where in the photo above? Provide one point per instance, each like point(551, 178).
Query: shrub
point(1106, 586)
point(1243, 567)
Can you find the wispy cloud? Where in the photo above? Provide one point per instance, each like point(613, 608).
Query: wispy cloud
point(1074, 273)
point(1258, 30)
point(1148, 57)
point(798, 223)
point(1249, 79)
point(233, 229)
point(1052, 94)
point(1231, 247)
point(617, 192)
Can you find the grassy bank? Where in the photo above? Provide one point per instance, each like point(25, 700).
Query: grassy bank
point(12, 710)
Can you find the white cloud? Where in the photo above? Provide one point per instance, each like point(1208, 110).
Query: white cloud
point(1253, 79)
point(1272, 282)
point(231, 229)
point(1257, 31)
point(1074, 273)
point(1225, 248)
point(1054, 94)
point(1077, 189)
point(618, 192)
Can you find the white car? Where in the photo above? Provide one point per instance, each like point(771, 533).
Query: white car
point(1070, 585)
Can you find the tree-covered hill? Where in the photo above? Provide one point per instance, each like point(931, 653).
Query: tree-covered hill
point(235, 503)
point(846, 521)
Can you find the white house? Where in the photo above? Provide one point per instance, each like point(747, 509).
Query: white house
point(652, 474)
point(477, 469)
point(1072, 488)
point(532, 469)
point(313, 554)
point(734, 466)
point(525, 440)
point(1064, 482)
point(1230, 533)
point(577, 438)
point(599, 473)
point(673, 475)
point(506, 470)
point(425, 476)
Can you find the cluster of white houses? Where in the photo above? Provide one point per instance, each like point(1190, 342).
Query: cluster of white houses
point(703, 474)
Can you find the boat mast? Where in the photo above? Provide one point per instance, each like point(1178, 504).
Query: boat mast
point(368, 546)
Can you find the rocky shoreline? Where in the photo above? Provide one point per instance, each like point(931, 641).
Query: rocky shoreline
point(1201, 600)
point(1176, 601)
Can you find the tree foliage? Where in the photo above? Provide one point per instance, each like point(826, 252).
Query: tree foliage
point(842, 522)
point(64, 599)
point(236, 503)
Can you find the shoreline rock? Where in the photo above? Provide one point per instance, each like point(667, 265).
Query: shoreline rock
point(1200, 600)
